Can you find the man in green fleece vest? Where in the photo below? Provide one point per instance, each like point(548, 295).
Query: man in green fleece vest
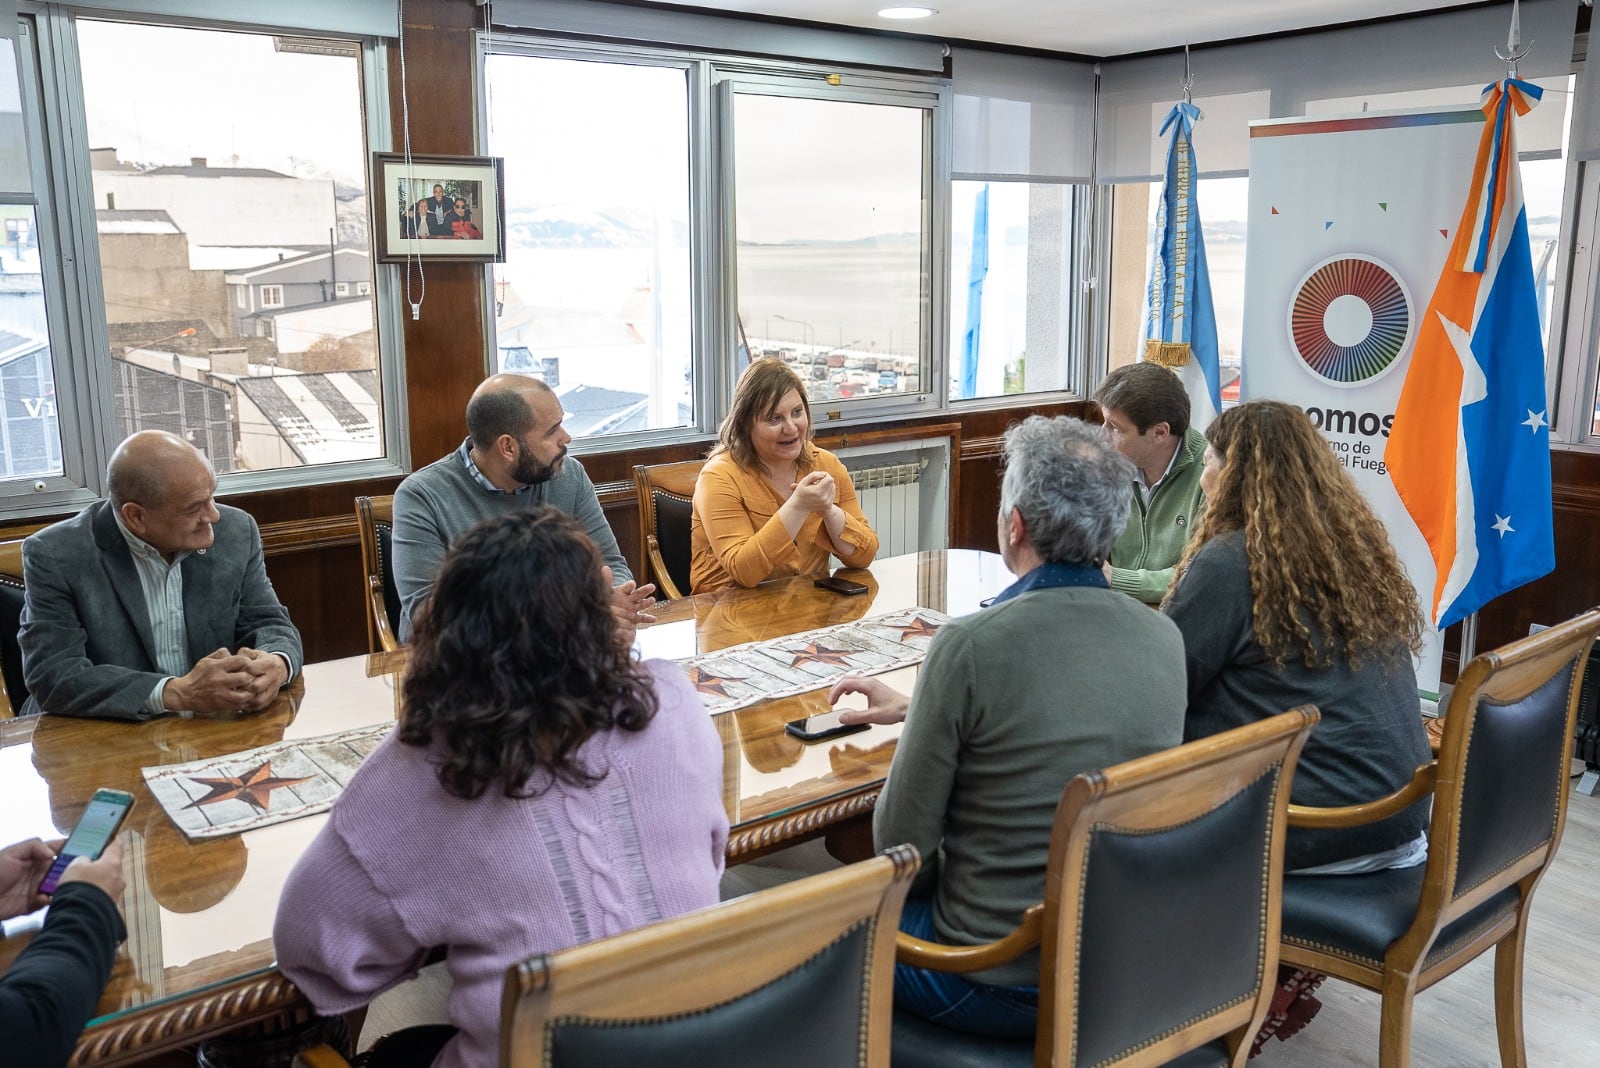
point(1146, 414)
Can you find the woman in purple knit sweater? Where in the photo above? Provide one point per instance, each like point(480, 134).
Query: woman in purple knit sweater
point(542, 789)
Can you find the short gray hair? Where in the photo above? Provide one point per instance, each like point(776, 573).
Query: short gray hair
point(1072, 489)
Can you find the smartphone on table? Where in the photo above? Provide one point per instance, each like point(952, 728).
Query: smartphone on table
point(96, 827)
point(820, 728)
point(848, 587)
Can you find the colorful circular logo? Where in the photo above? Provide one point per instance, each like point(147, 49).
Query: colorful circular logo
point(1350, 319)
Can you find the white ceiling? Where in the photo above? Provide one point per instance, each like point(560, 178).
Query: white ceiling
point(1087, 27)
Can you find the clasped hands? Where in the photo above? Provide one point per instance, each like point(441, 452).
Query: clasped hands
point(629, 603)
point(245, 681)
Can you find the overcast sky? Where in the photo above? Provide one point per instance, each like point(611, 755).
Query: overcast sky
point(299, 114)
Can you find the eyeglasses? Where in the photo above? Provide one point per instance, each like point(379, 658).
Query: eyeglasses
point(460, 204)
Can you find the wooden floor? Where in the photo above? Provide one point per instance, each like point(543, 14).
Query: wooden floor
point(1453, 1023)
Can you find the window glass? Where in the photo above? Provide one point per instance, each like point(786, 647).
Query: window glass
point(1012, 300)
point(832, 240)
point(30, 435)
point(230, 195)
point(595, 295)
point(1224, 205)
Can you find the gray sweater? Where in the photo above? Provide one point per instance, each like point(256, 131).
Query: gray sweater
point(439, 503)
point(1370, 738)
point(1010, 704)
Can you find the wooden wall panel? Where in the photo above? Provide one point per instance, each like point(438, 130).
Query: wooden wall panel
point(1574, 586)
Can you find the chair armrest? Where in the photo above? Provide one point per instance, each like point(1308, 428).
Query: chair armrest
point(941, 958)
point(658, 568)
point(1420, 786)
point(322, 1057)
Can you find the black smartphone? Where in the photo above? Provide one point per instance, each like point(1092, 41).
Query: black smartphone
point(842, 585)
point(820, 728)
point(96, 827)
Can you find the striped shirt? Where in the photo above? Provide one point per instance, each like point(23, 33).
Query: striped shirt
point(162, 584)
point(465, 452)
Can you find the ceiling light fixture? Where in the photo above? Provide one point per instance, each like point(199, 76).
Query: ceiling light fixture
point(906, 12)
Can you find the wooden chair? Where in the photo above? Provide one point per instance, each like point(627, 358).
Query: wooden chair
point(795, 976)
point(13, 688)
point(1499, 788)
point(1159, 928)
point(375, 521)
point(666, 505)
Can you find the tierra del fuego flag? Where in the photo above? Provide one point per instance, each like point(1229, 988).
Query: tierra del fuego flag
point(1470, 450)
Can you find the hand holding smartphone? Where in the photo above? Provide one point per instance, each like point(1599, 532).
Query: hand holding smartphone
point(96, 828)
point(820, 728)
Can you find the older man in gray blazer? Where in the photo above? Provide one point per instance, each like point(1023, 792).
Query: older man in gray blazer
point(155, 601)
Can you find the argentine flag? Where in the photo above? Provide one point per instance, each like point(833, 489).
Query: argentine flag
point(1180, 324)
point(1469, 454)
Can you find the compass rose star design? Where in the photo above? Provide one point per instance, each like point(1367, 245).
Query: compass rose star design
point(918, 628)
point(253, 787)
point(817, 653)
point(1534, 421)
point(706, 682)
point(1502, 523)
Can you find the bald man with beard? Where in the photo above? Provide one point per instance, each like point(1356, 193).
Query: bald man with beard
point(154, 601)
point(514, 456)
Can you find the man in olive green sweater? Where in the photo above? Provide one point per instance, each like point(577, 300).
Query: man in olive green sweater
point(1059, 675)
point(1146, 413)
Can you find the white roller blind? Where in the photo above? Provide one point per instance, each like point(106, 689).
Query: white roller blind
point(714, 33)
point(1586, 121)
point(1289, 76)
point(364, 18)
point(1019, 116)
point(14, 181)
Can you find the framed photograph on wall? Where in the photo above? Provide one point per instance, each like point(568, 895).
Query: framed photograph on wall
point(439, 208)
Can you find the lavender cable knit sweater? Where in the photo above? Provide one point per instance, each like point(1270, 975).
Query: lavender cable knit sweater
point(402, 866)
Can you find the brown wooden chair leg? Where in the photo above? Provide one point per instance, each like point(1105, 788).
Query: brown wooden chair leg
point(1394, 1034)
point(1508, 994)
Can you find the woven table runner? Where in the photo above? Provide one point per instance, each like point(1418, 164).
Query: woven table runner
point(260, 787)
point(799, 663)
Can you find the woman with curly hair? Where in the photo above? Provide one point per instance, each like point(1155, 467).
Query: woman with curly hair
point(1289, 593)
point(542, 789)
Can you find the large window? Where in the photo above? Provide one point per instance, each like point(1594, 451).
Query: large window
point(208, 187)
point(595, 294)
point(729, 210)
point(1015, 302)
point(831, 228)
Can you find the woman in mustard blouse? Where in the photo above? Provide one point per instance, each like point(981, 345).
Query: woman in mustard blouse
point(769, 504)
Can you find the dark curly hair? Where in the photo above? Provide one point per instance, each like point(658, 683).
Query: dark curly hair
point(516, 659)
point(1323, 573)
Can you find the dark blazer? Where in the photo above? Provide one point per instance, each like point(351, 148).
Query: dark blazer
point(87, 644)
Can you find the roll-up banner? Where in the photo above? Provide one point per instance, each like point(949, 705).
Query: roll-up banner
point(1350, 222)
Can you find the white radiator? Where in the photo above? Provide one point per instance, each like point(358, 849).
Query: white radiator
point(891, 499)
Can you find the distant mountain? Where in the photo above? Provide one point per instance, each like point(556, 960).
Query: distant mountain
point(900, 240)
point(569, 226)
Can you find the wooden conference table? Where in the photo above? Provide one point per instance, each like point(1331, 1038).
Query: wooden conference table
point(199, 959)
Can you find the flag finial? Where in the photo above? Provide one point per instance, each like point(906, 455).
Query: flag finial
point(1188, 77)
point(1515, 49)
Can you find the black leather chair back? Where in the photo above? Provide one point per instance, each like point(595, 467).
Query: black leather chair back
point(1508, 790)
point(673, 515)
point(391, 593)
point(809, 1016)
point(11, 598)
point(1170, 928)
